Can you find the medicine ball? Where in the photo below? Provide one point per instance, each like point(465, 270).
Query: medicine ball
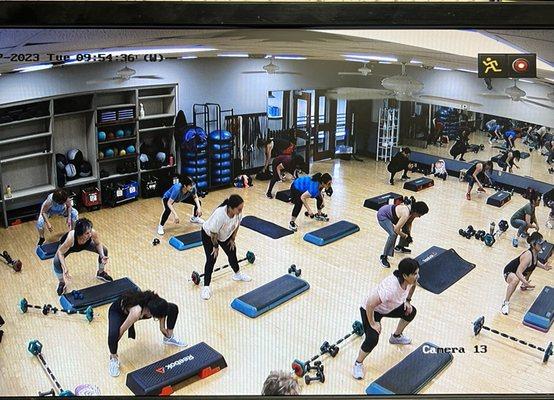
point(119, 133)
point(220, 135)
point(122, 152)
point(128, 132)
point(75, 156)
point(143, 158)
point(111, 136)
point(130, 149)
point(70, 171)
point(100, 155)
point(109, 153)
point(202, 184)
point(160, 157)
point(101, 136)
point(86, 169)
point(61, 161)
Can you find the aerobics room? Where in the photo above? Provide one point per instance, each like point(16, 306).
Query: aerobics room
point(116, 118)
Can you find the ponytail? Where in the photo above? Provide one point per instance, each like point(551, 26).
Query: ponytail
point(233, 201)
point(406, 266)
point(316, 177)
point(322, 178)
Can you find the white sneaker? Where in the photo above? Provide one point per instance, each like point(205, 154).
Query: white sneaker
point(174, 341)
point(241, 276)
point(160, 230)
point(399, 340)
point(206, 293)
point(358, 370)
point(505, 307)
point(114, 367)
point(196, 220)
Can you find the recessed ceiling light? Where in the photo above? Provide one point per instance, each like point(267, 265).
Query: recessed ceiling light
point(370, 57)
point(385, 62)
point(238, 55)
point(33, 68)
point(443, 69)
point(467, 70)
point(188, 57)
point(416, 62)
point(289, 57)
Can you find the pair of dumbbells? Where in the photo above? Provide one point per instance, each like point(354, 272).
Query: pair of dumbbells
point(468, 233)
point(319, 375)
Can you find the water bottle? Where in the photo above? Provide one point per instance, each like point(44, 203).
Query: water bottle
point(492, 228)
point(8, 192)
point(141, 112)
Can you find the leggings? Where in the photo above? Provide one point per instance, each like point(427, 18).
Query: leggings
point(275, 177)
point(210, 260)
point(297, 201)
point(57, 265)
point(371, 336)
point(116, 318)
point(167, 211)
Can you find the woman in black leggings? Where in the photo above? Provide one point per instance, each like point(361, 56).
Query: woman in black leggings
point(390, 299)
point(134, 306)
point(309, 187)
point(282, 164)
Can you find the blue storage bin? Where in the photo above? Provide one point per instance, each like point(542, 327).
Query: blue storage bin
point(131, 190)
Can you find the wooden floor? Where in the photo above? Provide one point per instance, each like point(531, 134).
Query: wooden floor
point(340, 275)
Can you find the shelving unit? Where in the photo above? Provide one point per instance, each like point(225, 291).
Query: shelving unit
point(388, 134)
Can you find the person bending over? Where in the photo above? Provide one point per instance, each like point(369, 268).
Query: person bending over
point(494, 130)
point(478, 173)
point(397, 220)
point(132, 307)
point(400, 162)
point(83, 237)
point(507, 160)
point(461, 145)
point(521, 268)
point(281, 165)
point(274, 147)
point(183, 191)
point(525, 217)
point(510, 137)
point(57, 203)
point(307, 187)
point(280, 383)
point(221, 230)
point(392, 299)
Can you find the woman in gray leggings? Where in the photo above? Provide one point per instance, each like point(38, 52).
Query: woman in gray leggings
point(397, 220)
point(525, 217)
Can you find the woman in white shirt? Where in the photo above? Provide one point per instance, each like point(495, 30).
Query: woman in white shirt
point(221, 230)
point(390, 299)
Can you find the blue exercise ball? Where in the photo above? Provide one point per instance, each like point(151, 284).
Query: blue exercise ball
point(222, 164)
point(220, 135)
point(130, 149)
point(109, 153)
point(199, 162)
point(201, 145)
point(119, 133)
point(192, 170)
point(101, 136)
point(222, 172)
point(221, 156)
point(128, 132)
point(160, 156)
point(218, 147)
point(202, 184)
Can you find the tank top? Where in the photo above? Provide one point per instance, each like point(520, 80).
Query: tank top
point(512, 265)
point(472, 169)
point(388, 211)
point(76, 246)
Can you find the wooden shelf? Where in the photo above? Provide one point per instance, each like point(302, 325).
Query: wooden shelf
point(158, 128)
point(24, 157)
point(159, 96)
point(31, 191)
point(158, 169)
point(24, 120)
point(116, 106)
point(155, 116)
point(73, 113)
point(116, 140)
point(23, 138)
point(118, 122)
point(81, 181)
point(117, 176)
point(134, 155)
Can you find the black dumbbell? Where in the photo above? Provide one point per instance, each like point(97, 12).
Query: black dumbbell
point(155, 242)
point(294, 270)
point(195, 276)
point(468, 233)
point(480, 234)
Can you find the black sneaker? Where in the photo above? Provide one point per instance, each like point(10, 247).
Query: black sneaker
point(292, 226)
point(61, 288)
point(103, 276)
point(269, 195)
point(384, 261)
point(403, 249)
point(391, 181)
point(405, 177)
point(40, 242)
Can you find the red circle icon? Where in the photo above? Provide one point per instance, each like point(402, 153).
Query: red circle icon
point(520, 65)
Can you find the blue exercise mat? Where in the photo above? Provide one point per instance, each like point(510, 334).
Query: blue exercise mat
point(98, 295)
point(331, 233)
point(269, 296)
point(541, 314)
point(439, 269)
point(264, 227)
point(411, 374)
point(186, 241)
point(47, 250)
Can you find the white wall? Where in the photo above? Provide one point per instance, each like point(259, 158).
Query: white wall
point(220, 81)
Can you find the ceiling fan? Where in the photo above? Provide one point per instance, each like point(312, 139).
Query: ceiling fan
point(364, 70)
point(125, 74)
point(515, 93)
point(271, 69)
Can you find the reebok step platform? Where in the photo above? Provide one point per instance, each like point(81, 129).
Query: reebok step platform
point(419, 184)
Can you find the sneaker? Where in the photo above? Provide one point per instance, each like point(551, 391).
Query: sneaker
point(391, 181)
point(404, 250)
point(524, 235)
point(405, 177)
point(103, 276)
point(399, 340)
point(269, 195)
point(114, 367)
point(241, 276)
point(515, 242)
point(358, 370)
point(490, 141)
point(384, 261)
point(505, 307)
point(174, 341)
point(61, 288)
point(321, 217)
point(468, 196)
point(196, 220)
point(292, 226)
point(206, 293)
point(160, 230)
point(40, 242)
point(524, 288)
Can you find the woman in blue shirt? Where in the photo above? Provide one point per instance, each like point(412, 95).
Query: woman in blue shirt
point(182, 192)
point(308, 187)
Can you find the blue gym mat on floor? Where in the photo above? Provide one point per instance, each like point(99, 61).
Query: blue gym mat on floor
point(264, 227)
point(186, 241)
point(269, 296)
point(541, 314)
point(411, 374)
point(97, 295)
point(47, 250)
point(331, 233)
point(439, 269)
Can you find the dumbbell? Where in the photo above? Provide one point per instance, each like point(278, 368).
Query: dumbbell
point(35, 348)
point(15, 264)
point(48, 308)
point(480, 234)
point(468, 233)
point(293, 270)
point(320, 376)
point(195, 276)
point(155, 242)
point(327, 348)
point(319, 217)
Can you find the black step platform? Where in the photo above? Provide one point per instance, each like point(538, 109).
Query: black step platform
point(283, 195)
point(546, 252)
point(98, 295)
point(375, 203)
point(499, 198)
point(165, 376)
point(419, 184)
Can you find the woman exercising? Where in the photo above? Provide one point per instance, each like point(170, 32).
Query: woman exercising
point(478, 173)
point(221, 230)
point(397, 220)
point(521, 268)
point(391, 298)
point(400, 162)
point(274, 147)
point(132, 307)
point(83, 237)
point(507, 160)
point(309, 187)
point(494, 129)
point(525, 217)
point(57, 203)
point(282, 164)
point(280, 383)
point(461, 145)
point(183, 191)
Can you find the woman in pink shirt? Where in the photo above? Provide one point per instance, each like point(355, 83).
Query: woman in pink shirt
point(391, 298)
